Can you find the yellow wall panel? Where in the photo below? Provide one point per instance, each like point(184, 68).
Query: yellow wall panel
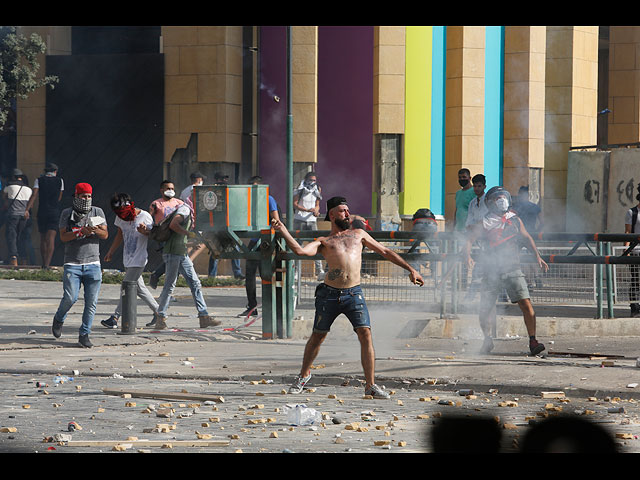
point(417, 146)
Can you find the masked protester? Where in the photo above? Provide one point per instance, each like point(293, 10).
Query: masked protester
point(160, 209)
point(423, 220)
point(81, 228)
point(306, 203)
point(463, 197)
point(133, 226)
point(501, 235)
point(174, 254)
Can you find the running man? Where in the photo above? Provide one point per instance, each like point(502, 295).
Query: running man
point(340, 292)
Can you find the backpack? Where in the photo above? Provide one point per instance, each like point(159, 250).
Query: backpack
point(162, 232)
point(634, 217)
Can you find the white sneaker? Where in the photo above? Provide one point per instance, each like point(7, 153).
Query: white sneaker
point(299, 383)
point(376, 392)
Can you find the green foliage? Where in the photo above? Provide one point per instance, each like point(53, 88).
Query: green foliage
point(19, 68)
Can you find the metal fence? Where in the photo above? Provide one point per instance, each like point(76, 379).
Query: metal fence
point(621, 279)
point(563, 284)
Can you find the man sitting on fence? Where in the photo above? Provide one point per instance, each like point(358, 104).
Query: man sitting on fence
point(501, 234)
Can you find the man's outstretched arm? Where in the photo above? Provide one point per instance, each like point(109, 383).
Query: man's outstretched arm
point(392, 256)
point(309, 250)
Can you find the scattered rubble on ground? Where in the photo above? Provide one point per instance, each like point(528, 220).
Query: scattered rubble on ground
point(109, 415)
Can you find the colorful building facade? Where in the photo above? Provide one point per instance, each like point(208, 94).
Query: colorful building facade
point(385, 115)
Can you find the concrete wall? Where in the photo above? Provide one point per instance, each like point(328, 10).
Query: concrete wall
point(570, 109)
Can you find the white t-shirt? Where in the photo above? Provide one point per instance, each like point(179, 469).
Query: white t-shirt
point(477, 211)
point(18, 197)
point(628, 218)
point(308, 199)
point(134, 251)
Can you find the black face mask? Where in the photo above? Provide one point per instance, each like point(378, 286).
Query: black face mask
point(463, 182)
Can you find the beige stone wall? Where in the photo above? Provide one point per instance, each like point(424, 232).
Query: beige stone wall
point(464, 131)
point(31, 114)
point(304, 92)
point(203, 90)
point(624, 64)
point(571, 109)
point(388, 79)
point(524, 96)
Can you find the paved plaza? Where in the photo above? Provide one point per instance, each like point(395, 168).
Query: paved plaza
point(223, 389)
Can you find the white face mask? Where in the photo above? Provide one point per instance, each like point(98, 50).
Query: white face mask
point(169, 193)
point(502, 204)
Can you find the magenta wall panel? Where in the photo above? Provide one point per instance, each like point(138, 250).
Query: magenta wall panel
point(345, 114)
point(272, 139)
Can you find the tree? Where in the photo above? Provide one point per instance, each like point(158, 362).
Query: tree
point(19, 68)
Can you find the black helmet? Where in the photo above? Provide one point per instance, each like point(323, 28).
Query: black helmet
point(423, 213)
point(492, 195)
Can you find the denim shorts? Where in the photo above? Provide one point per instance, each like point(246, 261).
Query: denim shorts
point(331, 302)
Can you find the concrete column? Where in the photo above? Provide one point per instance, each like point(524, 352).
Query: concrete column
point(571, 110)
point(624, 88)
point(388, 124)
point(203, 90)
point(464, 134)
point(304, 100)
point(524, 94)
point(31, 112)
point(387, 151)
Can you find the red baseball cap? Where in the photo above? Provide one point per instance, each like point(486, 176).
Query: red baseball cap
point(83, 188)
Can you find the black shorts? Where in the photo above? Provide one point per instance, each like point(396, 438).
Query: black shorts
point(48, 222)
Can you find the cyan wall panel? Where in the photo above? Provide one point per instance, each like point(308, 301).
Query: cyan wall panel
point(494, 104)
point(438, 106)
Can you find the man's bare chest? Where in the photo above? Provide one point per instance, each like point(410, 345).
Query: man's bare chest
point(344, 243)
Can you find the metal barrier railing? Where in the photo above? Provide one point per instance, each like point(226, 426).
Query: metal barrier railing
point(580, 273)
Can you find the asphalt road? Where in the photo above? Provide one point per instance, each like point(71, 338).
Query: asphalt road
point(593, 373)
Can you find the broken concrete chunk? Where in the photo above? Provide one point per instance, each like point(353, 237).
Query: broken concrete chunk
point(554, 395)
point(121, 447)
point(62, 437)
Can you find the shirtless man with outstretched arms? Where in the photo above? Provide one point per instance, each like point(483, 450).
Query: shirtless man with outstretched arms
point(341, 292)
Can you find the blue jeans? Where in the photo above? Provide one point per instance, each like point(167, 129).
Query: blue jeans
point(90, 276)
point(235, 266)
point(176, 264)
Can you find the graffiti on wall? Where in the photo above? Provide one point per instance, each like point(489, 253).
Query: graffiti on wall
point(625, 192)
point(592, 191)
